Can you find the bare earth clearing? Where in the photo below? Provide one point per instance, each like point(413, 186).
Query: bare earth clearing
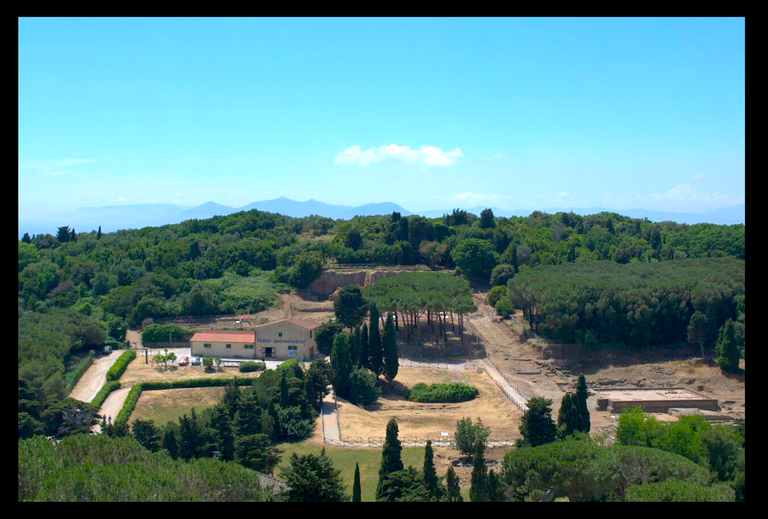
point(552, 377)
point(429, 420)
point(94, 378)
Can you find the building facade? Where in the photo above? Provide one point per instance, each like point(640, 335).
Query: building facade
point(279, 340)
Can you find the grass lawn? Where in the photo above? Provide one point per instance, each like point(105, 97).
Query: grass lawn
point(344, 459)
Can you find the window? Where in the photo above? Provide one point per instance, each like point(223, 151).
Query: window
point(229, 346)
point(206, 345)
point(293, 352)
point(310, 334)
point(248, 346)
point(280, 334)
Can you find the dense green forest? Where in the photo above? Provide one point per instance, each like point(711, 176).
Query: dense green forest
point(85, 467)
point(637, 303)
point(77, 292)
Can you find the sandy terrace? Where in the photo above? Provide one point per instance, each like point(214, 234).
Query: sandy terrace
point(138, 371)
point(416, 419)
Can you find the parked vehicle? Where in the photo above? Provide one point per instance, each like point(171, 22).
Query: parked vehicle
point(184, 361)
point(196, 361)
point(107, 350)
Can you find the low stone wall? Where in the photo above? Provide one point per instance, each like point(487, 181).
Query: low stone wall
point(330, 280)
point(380, 274)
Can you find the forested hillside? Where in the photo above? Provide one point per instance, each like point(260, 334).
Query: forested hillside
point(77, 292)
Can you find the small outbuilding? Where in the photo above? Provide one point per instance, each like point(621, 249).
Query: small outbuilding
point(292, 338)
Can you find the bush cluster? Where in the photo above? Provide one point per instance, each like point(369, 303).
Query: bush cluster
point(119, 367)
point(249, 366)
point(440, 393)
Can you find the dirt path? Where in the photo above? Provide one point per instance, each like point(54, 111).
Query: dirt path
point(330, 420)
point(112, 405)
point(95, 378)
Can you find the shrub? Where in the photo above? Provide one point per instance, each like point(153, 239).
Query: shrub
point(468, 433)
point(501, 274)
point(504, 307)
point(250, 366)
point(104, 393)
point(674, 491)
point(440, 393)
point(73, 376)
point(363, 387)
point(119, 367)
point(495, 293)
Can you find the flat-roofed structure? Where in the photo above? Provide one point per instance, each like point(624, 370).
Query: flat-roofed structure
point(279, 340)
point(652, 400)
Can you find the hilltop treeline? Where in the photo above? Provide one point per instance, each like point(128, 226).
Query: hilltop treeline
point(636, 304)
point(78, 291)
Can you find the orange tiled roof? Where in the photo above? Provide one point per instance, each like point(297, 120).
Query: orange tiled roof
point(224, 336)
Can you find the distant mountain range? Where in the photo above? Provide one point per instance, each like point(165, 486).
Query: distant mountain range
point(113, 218)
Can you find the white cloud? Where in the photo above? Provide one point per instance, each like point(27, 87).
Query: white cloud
point(698, 176)
point(562, 193)
point(426, 155)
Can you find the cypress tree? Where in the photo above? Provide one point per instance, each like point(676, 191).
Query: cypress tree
point(365, 354)
point(284, 400)
point(374, 342)
point(248, 415)
point(478, 490)
point(727, 348)
point(536, 425)
point(72, 235)
point(342, 365)
point(430, 473)
point(354, 346)
point(169, 443)
point(580, 404)
point(565, 423)
point(356, 485)
point(389, 347)
point(452, 483)
point(494, 490)
point(26, 238)
point(98, 233)
point(231, 397)
point(391, 460)
point(514, 259)
point(222, 427)
point(277, 432)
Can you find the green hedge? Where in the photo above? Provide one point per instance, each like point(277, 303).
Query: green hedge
point(249, 366)
point(102, 395)
point(73, 376)
point(118, 368)
point(441, 393)
point(130, 404)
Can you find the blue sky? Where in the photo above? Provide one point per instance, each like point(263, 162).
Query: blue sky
point(427, 113)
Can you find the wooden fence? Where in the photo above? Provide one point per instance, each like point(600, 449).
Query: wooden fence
point(412, 441)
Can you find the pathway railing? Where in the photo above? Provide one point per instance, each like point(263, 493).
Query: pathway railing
point(413, 441)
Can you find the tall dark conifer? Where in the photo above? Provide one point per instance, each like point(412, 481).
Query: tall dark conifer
point(356, 490)
point(391, 460)
point(374, 343)
point(430, 473)
point(389, 349)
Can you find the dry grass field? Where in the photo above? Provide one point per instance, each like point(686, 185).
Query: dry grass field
point(418, 419)
point(169, 405)
point(138, 371)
